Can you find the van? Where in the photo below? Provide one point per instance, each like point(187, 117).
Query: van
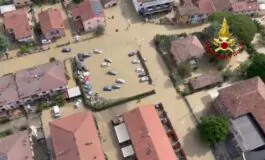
point(56, 111)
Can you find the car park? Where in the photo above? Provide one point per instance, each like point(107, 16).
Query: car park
point(144, 79)
point(138, 70)
point(105, 65)
point(116, 86)
point(120, 81)
point(135, 61)
point(112, 73)
point(108, 60)
point(66, 50)
point(78, 103)
point(131, 54)
point(97, 51)
point(107, 88)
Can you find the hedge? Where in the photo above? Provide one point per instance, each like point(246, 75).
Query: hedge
point(6, 133)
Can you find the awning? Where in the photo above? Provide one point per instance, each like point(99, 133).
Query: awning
point(121, 132)
point(73, 92)
point(127, 151)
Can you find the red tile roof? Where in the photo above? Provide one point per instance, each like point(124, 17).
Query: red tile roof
point(40, 79)
point(205, 80)
point(239, 6)
point(206, 6)
point(16, 146)
point(147, 134)
point(19, 22)
point(87, 10)
point(76, 138)
point(245, 97)
point(51, 19)
point(186, 48)
point(190, 7)
point(8, 90)
point(221, 5)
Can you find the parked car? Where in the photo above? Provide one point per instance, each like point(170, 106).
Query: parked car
point(107, 88)
point(112, 73)
point(131, 54)
point(80, 57)
point(56, 111)
point(120, 81)
point(141, 74)
point(97, 51)
point(66, 50)
point(105, 64)
point(135, 61)
point(144, 79)
point(78, 103)
point(108, 60)
point(138, 70)
point(46, 41)
point(116, 86)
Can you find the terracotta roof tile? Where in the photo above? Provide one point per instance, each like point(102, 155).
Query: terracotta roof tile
point(50, 19)
point(239, 6)
point(186, 48)
point(221, 5)
point(205, 80)
point(147, 134)
point(245, 97)
point(8, 90)
point(18, 21)
point(191, 7)
point(76, 138)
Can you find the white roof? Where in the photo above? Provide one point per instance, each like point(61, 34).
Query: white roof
point(262, 6)
point(56, 109)
point(121, 132)
point(127, 151)
point(73, 92)
point(7, 8)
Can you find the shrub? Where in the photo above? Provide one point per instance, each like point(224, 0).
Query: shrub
point(24, 49)
point(52, 59)
point(184, 70)
point(6, 133)
point(4, 120)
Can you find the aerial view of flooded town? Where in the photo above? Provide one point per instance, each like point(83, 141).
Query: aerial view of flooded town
point(132, 80)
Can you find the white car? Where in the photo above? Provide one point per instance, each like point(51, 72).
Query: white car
point(56, 111)
point(105, 65)
point(138, 70)
point(46, 41)
point(97, 51)
point(120, 81)
point(144, 79)
point(78, 103)
point(135, 61)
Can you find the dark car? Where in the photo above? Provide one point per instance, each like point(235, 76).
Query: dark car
point(107, 88)
point(66, 50)
point(131, 54)
point(116, 86)
point(80, 57)
point(112, 73)
point(142, 74)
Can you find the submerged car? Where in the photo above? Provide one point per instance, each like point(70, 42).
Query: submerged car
point(120, 81)
point(136, 61)
point(108, 60)
point(144, 79)
point(105, 65)
point(141, 74)
point(131, 54)
point(66, 50)
point(112, 73)
point(97, 51)
point(116, 86)
point(138, 70)
point(107, 88)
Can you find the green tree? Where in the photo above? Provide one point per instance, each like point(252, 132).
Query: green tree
point(213, 129)
point(99, 31)
point(184, 70)
point(24, 49)
point(241, 25)
point(257, 67)
point(4, 44)
point(52, 59)
point(76, 1)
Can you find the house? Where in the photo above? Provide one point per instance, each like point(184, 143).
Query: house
point(187, 49)
point(76, 138)
point(88, 15)
point(148, 7)
point(243, 103)
point(21, 3)
point(109, 3)
point(51, 23)
point(16, 24)
point(17, 146)
point(31, 84)
point(210, 79)
point(145, 140)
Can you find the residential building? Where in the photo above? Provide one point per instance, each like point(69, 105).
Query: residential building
point(16, 147)
point(210, 79)
point(188, 49)
point(109, 3)
point(148, 139)
point(243, 103)
point(30, 84)
point(51, 23)
point(16, 24)
point(20, 3)
point(148, 7)
point(76, 138)
point(88, 15)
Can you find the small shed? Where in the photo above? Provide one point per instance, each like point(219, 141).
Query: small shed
point(121, 133)
point(7, 8)
point(206, 80)
point(127, 151)
point(73, 92)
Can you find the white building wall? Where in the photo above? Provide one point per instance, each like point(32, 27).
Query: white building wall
point(93, 23)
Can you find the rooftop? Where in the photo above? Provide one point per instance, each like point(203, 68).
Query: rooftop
point(148, 135)
point(8, 90)
point(16, 147)
point(18, 22)
point(205, 80)
point(76, 138)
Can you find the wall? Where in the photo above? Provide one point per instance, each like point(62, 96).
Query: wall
point(93, 23)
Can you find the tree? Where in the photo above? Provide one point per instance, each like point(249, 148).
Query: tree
point(76, 1)
point(213, 129)
point(24, 49)
point(99, 31)
point(4, 44)
point(52, 59)
point(184, 70)
point(241, 25)
point(257, 67)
